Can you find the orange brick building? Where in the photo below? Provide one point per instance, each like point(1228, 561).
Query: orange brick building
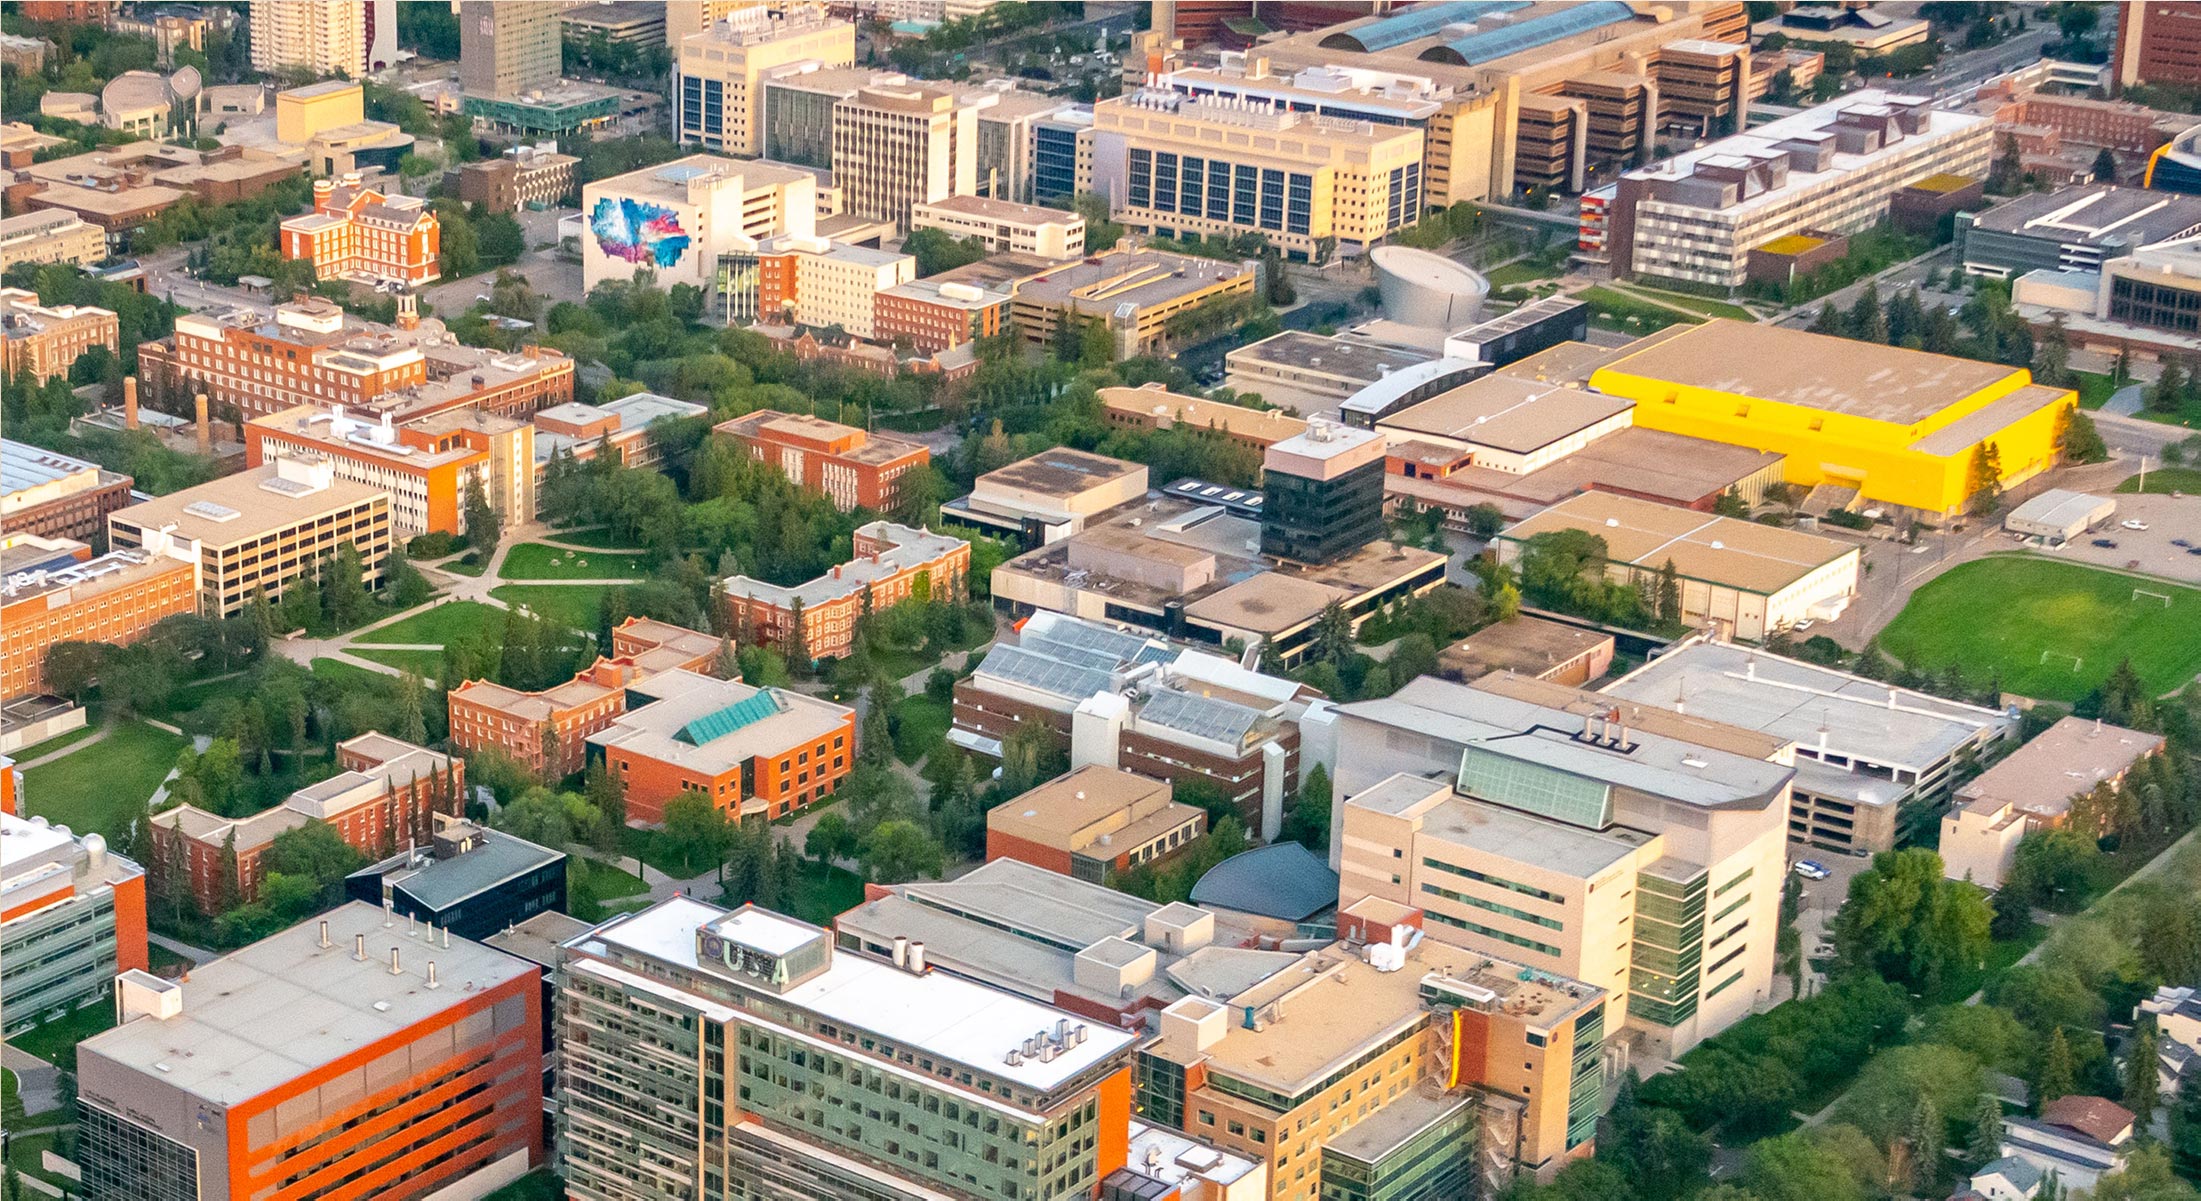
point(338, 1058)
point(358, 231)
point(755, 753)
point(487, 716)
point(384, 800)
point(932, 316)
point(72, 914)
point(425, 466)
point(46, 342)
point(892, 563)
point(851, 467)
point(114, 598)
point(259, 362)
point(53, 495)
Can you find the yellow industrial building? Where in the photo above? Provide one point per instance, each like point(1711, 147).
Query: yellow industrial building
point(1900, 427)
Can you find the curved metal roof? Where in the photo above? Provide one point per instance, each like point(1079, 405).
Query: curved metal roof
point(1283, 880)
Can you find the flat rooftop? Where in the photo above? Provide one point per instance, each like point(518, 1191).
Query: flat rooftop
point(1728, 551)
point(1400, 1119)
point(2066, 759)
point(1056, 813)
point(439, 883)
point(1672, 467)
point(1007, 211)
point(1797, 701)
point(2098, 215)
point(1061, 473)
point(1352, 359)
point(669, 181)
point(912, 548)
point(1000, 272)
point(224, 1049)
point(1755, 361)
point(1526, 644)
point(537, 939)
point(1508, 413)
point(1157, 404)
point(238, 508)
point(24, 466)
point(937, 1014)
point(1142, 278)
point(1551, 845)
point(710, 725)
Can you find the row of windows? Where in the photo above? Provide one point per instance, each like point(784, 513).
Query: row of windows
point(1543, 948)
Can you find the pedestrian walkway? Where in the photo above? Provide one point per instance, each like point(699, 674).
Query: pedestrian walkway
point(71, 749)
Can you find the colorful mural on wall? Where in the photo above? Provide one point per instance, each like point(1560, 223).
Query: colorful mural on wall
point(638, 232)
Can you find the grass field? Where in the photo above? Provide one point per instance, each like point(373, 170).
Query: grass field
point(821, 897)
point(2029, 618)
point(101, 787)
point(439, 625)
point(1614, 309)
point(534, 561)
point(572, 604)
point(607, 882)
point(55, 1041)
point(596, 536)
point(2094, 389)
point(421, 663)
point(1695, 304)
point(336, 671)
point(2166, 480)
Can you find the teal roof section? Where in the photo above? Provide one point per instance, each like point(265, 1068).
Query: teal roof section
point(1493, 44)
point(731, 718)
point(1421, 22)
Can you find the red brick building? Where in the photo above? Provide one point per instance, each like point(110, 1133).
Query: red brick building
point(358, 231)
point(114, 599)
point(46, 342)
point(931, 317)
point(259, 362)
point(53, 495)
point(851, 467)
point(892, 563)
point(754, 753)
point(385, 799)
point(2158, 41)
point(548, 730)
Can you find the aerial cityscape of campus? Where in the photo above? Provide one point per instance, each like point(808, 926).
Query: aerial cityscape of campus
point(975, 600)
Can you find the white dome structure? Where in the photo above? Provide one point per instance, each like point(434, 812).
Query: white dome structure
point(1428, 290)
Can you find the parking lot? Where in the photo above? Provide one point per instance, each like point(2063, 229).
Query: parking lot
point(2170, 520)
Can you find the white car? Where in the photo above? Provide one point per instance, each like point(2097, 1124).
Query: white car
point(2134, 525)
point(1810, 870)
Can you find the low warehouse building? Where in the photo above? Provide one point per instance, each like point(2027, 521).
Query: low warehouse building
point(1752, 579)
point(2060, 515)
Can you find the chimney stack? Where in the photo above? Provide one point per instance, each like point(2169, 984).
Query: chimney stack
point(206, 432)
point(432, 983)
point(130, 402)
point(396, 964)
point(324, 933)
point(408, 311)
point(359, 948)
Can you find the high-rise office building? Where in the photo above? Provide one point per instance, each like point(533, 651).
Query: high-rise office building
point(1324, 493)
point(896, 146)
point(508, 49)
point(717, 1055)
point(717, 80)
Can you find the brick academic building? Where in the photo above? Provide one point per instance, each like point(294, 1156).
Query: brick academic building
point(490, 716)
point(847, 465)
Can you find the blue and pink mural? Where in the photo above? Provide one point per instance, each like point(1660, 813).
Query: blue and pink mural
point(638, 232)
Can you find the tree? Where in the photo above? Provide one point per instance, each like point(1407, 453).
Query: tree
point(875, 742)
point(1866, 321)
point(2105, 166)
point(73, 667)
point(1333, 635)
point(229, 889)
point(1730, 504)
point(1928, 1144)
point(482, 525)
point(2143, 1087)
point(1984, 493)
point(1908, 923)
point(830, 839)
point(2078, 440)
point(2146, 1176)
point(607, 792)
point(2057, 1077)
point(1651, 1145)
point(1308, 822)
point(898, 851)
point(2168, 393)
point(797, 640)
point(698, 830)
point(315, 854)
point(1801, 1167)
point(937, 251)
point(1985, 1145)
point(1669, 594)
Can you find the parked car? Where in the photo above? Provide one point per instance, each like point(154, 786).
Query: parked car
point(1811, 869)
point(2180, 542)
point(2106, 543)
point(2134, 524)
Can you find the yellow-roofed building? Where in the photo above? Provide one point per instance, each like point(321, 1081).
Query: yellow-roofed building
point(1901, 427)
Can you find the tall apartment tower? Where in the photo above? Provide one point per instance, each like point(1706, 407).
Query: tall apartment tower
point(716, 82)
point(326, 37)
point(716, 1055)
point(683, 17)
point(1324, 495)
point(508, 49)
point(896, 146)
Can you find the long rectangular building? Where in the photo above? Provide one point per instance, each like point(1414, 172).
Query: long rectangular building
point(115, 598)
point(426, 467)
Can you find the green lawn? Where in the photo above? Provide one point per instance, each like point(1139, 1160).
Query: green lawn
point(540, 1185)
point(25, 1153)
point(2094, 390)
point(1527, 271)
point(59, 742)
point(421, 663)
point(439, 625)
point(2165, 480)
point(1614, 309)
point(2028, 618)
point(459, 567)
point(336, 671)
point(596, 536)
point(571, 604)
point(921, 724)
point(534, 561)
point(101, 788)
point(608, 882)
point(1695, 304)
point(821, 897)
point(55, 1041)
point(158, 957)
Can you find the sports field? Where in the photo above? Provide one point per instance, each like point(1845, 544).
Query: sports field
point(2053, 630)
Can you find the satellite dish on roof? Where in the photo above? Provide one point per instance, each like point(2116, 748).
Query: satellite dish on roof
point(185, 83)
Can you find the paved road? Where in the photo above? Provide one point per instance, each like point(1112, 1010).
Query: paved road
point(35, 1079)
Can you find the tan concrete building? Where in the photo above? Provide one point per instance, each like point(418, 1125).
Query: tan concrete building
point(1173, 166)
point(260, 530)
point(508, 50)
point(1632, 848)
point(2032, 789)
point(715, 83)
point(1134, 292)
point(1005, 226)
point(1092, 823)
point(811, 281)
point(896, 146)
point(1153, 407)
point(46, 342)
point(1046, 497)
point(326, 37)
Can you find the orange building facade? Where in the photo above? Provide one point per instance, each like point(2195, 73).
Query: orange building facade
point(851, 467)
point(114, 598)
point(402, 1065)
point(548, 730)
point(936, 317)
point(753, 753)
point(46, 342)
point(385, 799)
point(424, 468)
point(358, 231)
